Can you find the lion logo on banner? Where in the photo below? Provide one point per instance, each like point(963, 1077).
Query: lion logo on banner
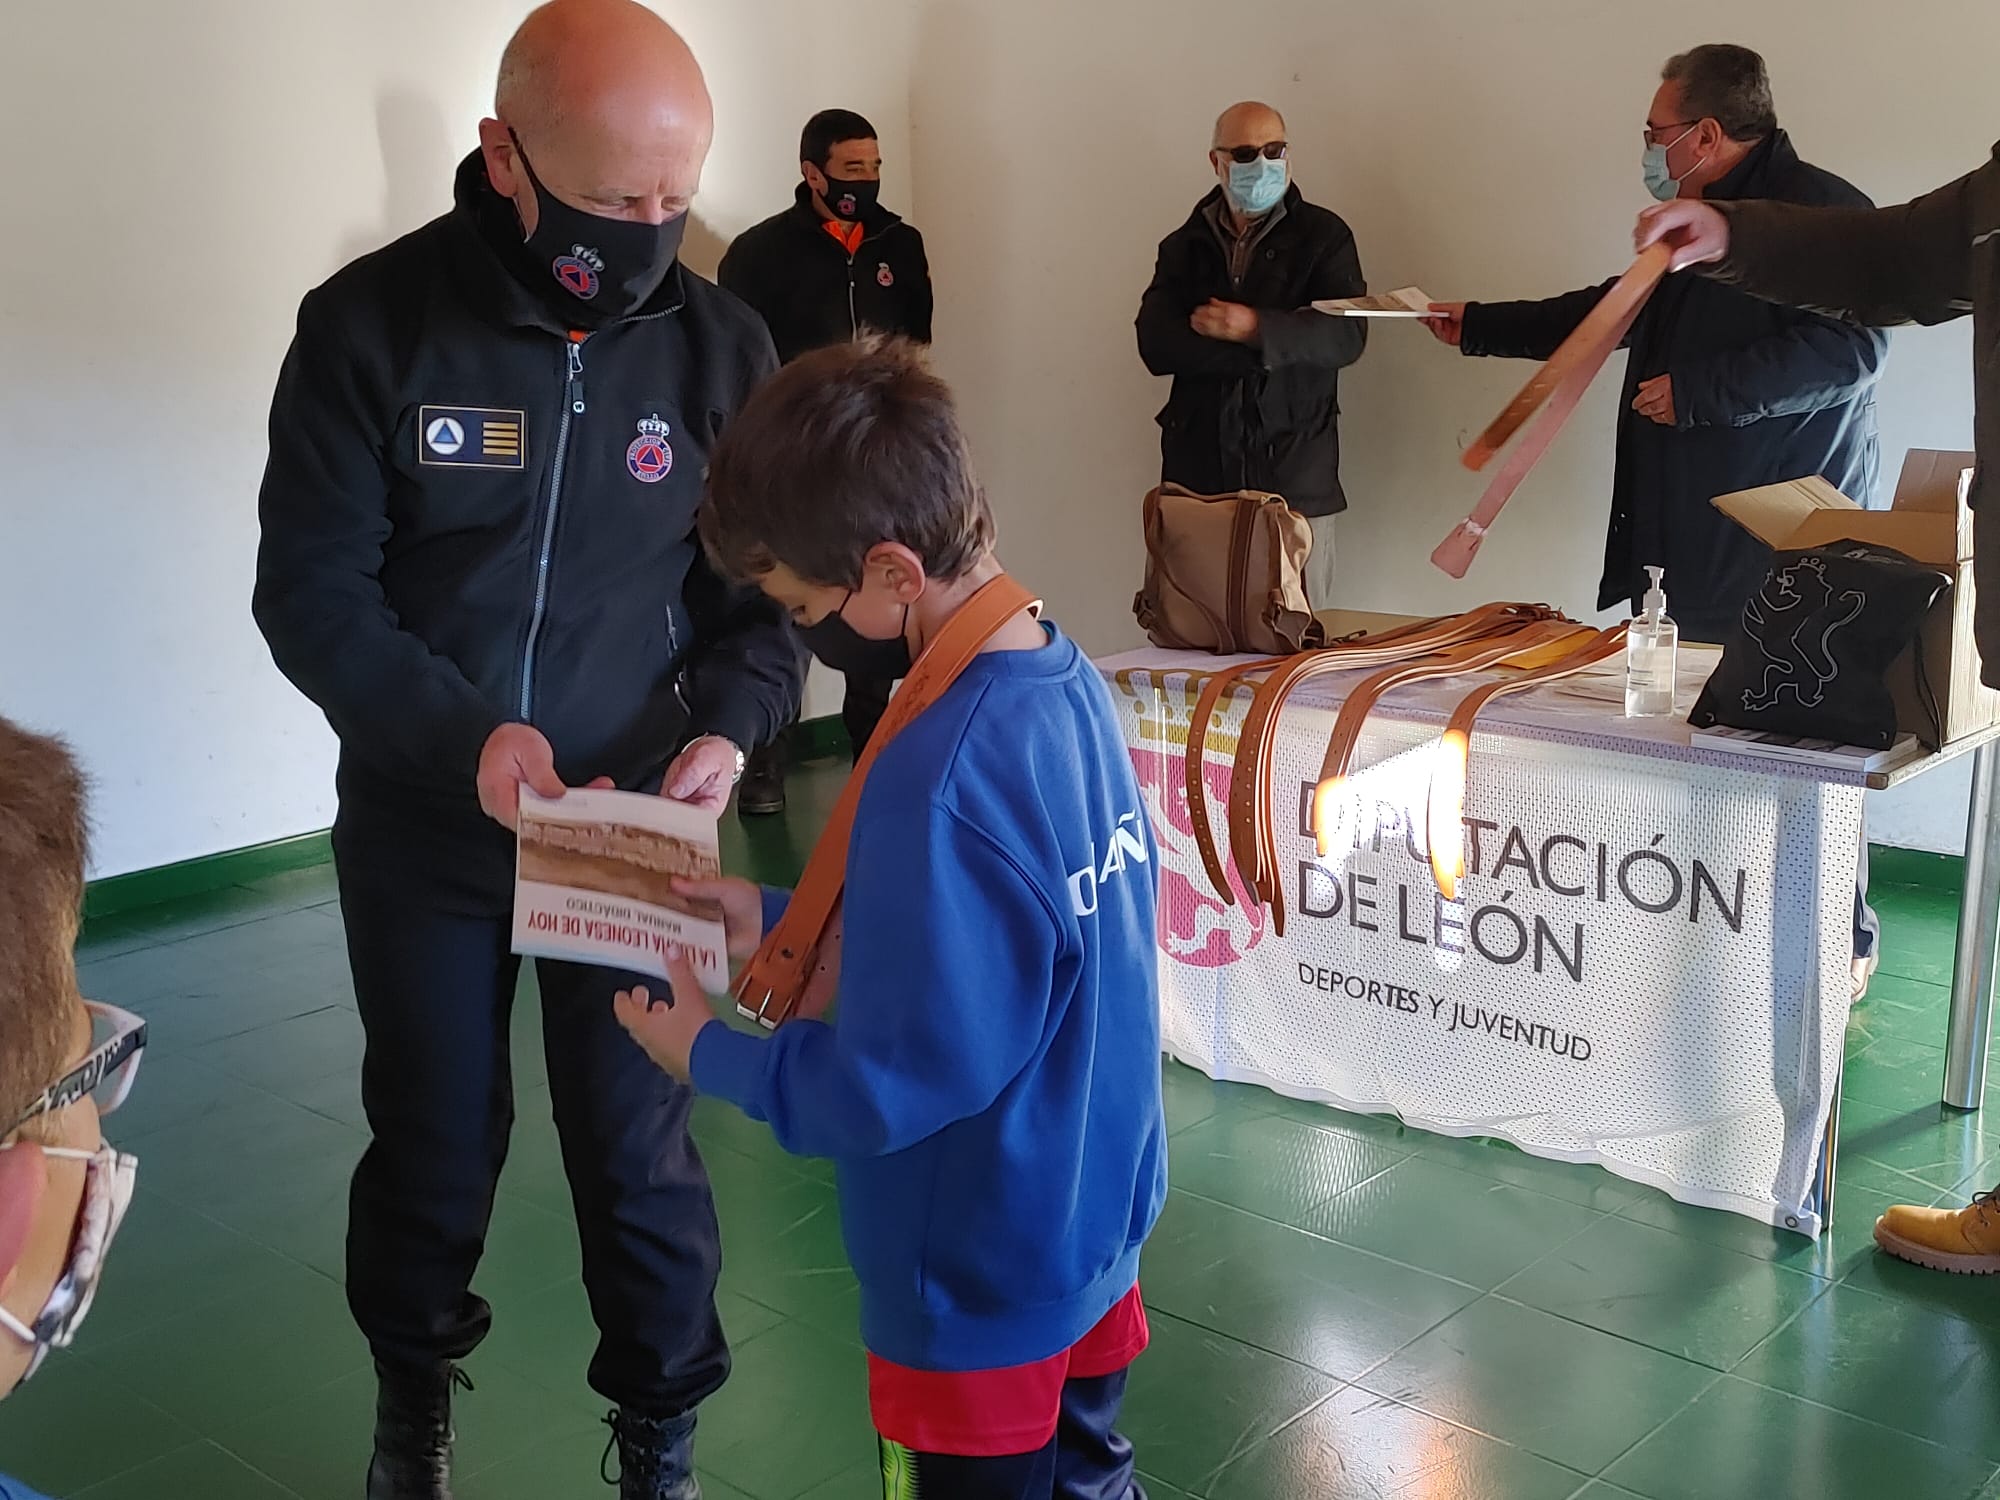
point(1194, 927)
point(1795, 617)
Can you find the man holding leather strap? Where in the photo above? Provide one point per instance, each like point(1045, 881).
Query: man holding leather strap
point(1927, 261)
point(1722, 392)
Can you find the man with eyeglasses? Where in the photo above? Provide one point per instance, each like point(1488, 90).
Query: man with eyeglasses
point(1723, 392)
point(64, 1064)
point(1928, 261)
point(1256, 371)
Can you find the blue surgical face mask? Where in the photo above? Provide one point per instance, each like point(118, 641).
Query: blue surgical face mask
point(1254, 187)
point(1661, 182)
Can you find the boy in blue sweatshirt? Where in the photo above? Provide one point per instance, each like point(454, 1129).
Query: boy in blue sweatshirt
point(990, 1095)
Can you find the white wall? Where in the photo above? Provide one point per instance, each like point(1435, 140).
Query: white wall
point(1478, 150)
point(177, 177)
point(179, 174)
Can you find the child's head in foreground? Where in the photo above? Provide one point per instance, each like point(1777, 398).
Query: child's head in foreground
point(844, 487)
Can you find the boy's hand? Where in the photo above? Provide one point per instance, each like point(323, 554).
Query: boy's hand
point(667, 1028)
point(742, 906)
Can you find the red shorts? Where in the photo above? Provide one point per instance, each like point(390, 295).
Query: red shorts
point(993, 1413)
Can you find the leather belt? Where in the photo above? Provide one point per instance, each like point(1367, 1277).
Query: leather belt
point(772, 983)
point(1445, 815)
point(1252, 835)
point(1560, 383)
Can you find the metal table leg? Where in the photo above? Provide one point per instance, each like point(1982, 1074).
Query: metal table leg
point(1973, 970)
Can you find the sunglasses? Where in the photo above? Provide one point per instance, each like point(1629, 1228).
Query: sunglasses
point(1244, 155)
point(106, 1075)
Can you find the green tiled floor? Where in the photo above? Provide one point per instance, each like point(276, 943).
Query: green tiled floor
point(1341, 1307)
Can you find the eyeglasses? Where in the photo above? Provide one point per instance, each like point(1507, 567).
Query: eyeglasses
point(1652, 132)
point(106, 1075)
point(1244, 155)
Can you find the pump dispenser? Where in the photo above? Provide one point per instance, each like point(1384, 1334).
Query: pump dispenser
point(1651, 646)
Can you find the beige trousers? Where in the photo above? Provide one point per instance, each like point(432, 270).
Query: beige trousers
point(1319, 567)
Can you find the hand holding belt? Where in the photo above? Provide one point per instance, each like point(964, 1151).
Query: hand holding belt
point(1561, 383)
point(773, 982)
point(1446, 813)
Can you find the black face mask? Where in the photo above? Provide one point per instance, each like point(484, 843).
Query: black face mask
point(848, 201)
point(610, 266)
point(846, 650)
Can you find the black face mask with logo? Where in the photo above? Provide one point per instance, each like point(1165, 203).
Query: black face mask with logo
point(848, 201)
point(608, 267)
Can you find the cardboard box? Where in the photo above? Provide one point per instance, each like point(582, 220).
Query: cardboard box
point(1929, 521)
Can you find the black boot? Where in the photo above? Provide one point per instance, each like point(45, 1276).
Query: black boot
point(655, 1456)
point(413, 1432)
point(762, 791)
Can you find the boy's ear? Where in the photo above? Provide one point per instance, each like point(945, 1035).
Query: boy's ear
point(899, 568)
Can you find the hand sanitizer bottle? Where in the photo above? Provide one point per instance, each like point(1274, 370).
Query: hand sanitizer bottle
point(1651, 645)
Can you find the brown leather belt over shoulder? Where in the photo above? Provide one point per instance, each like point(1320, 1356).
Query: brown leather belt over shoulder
point(1535, 643)
point(789, 964)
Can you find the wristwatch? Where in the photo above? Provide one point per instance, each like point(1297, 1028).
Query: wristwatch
point(742, 760)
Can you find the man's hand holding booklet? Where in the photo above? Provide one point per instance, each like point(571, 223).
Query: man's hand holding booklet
point(597, 880)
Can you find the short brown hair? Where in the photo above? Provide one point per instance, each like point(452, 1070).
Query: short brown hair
point(843, 449)
point(1728, 85)
point(43, 849)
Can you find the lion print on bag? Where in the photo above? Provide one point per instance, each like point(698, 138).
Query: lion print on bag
point(1795, 618)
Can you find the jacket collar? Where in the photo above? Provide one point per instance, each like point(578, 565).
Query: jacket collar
point(876, 222)
point(1753, 176)
point(1212, 205)
point(505, 281)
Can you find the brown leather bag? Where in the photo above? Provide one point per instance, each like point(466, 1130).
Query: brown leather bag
point(1226, 573)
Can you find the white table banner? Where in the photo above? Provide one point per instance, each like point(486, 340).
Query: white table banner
point(1646, 968)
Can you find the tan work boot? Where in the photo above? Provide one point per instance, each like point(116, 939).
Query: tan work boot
point(1863, 971)
point(1965, 1241)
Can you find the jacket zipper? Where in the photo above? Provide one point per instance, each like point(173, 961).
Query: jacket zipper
point(572, 408)
point(853, 322)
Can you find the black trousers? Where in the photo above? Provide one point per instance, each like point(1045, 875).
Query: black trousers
point(435, 992)
point(1085, 1460)
point(862, 709)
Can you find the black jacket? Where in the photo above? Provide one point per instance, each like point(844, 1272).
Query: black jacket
point(459, 530)
point(1762, 393)
point(1927, 261)
point(812, 293)
point(1262, 416)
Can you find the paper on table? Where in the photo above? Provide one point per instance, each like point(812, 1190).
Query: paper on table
point(1404, 302)
point(594, 880)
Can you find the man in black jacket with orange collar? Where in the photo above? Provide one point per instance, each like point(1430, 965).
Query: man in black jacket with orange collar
point(833, 266)
point(1256, 398)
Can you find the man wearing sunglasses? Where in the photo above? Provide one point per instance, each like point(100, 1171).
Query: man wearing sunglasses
point(1256, 371)
point(63, 1065)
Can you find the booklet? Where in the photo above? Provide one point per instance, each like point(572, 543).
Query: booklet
point(593, 883)
point(1766, 746)
point(1404, 302)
